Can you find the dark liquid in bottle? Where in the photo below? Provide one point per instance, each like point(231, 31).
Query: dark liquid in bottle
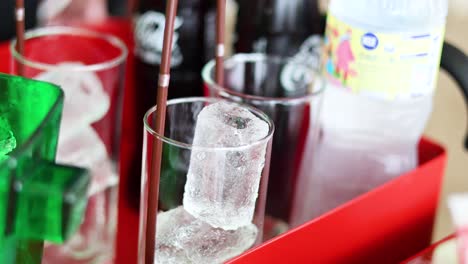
point(186, 64)
point(287, 29)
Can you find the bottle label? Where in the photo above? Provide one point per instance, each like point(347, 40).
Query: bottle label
point(389, 66)
point(149, 35)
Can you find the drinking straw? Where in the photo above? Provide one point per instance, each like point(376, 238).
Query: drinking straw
point(19, 14)
point(161, 101)
point(220, 22)
point(131, 7)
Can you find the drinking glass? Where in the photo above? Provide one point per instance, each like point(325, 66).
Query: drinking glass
point(444, 251)
point(89, 67)
point(289, 91)
point(458, 205)
point(213, 180)
point(39, 199)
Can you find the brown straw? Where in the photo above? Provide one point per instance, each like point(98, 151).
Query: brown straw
point(161, 101)
point(220, 48)
point(20, 14)
point(131, 7)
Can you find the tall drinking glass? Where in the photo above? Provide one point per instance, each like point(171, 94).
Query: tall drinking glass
point(289, 91)
point(214, 174)
point(89, 67)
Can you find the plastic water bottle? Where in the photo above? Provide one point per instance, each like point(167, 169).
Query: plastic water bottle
point(381, 61)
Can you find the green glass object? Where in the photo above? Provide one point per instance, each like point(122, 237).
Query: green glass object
point(39, 200)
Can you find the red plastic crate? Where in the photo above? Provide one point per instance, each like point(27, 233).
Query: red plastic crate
point(386, 225)
point(425, 257)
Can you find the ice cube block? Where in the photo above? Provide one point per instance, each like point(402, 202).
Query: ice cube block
point(222, 182)
point(182, 238)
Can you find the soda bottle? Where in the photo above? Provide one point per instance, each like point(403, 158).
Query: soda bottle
point(210, 28)
point(277, 27)
point(186, 63)
point(288, 29)
point(381, 61)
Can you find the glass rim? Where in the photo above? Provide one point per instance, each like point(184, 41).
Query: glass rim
point(184, 145)
point(244, 57)
point(71, 31)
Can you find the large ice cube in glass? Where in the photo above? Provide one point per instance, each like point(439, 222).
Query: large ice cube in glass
point(222, 182)
point(181, 238)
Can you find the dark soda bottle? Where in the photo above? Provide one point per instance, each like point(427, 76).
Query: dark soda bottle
point(210, 30)
point(187, 50)
point(289, 29)
point(186, 64)
point(277, 27)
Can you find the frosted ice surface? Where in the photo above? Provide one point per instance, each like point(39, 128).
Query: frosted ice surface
point(85, 103)
point(94, 241)
point(85, 98)
point(222, 185)
point(181, 238)
point(85, 149)
point(225, 124)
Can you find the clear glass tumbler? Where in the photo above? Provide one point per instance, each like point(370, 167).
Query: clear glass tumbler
point(89, 67)
point(213, 179)
point(290, 93)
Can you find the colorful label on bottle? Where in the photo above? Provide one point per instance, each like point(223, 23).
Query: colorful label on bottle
point(388, 66)
point(149, 35)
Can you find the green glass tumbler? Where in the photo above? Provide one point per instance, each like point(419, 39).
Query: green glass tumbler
point(39, 200)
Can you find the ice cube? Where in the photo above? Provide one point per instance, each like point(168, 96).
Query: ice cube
point(94, 241)
point(86, 149)
point(104, 175)
point(182, 238)
point(222, 184)
point(86, 100)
